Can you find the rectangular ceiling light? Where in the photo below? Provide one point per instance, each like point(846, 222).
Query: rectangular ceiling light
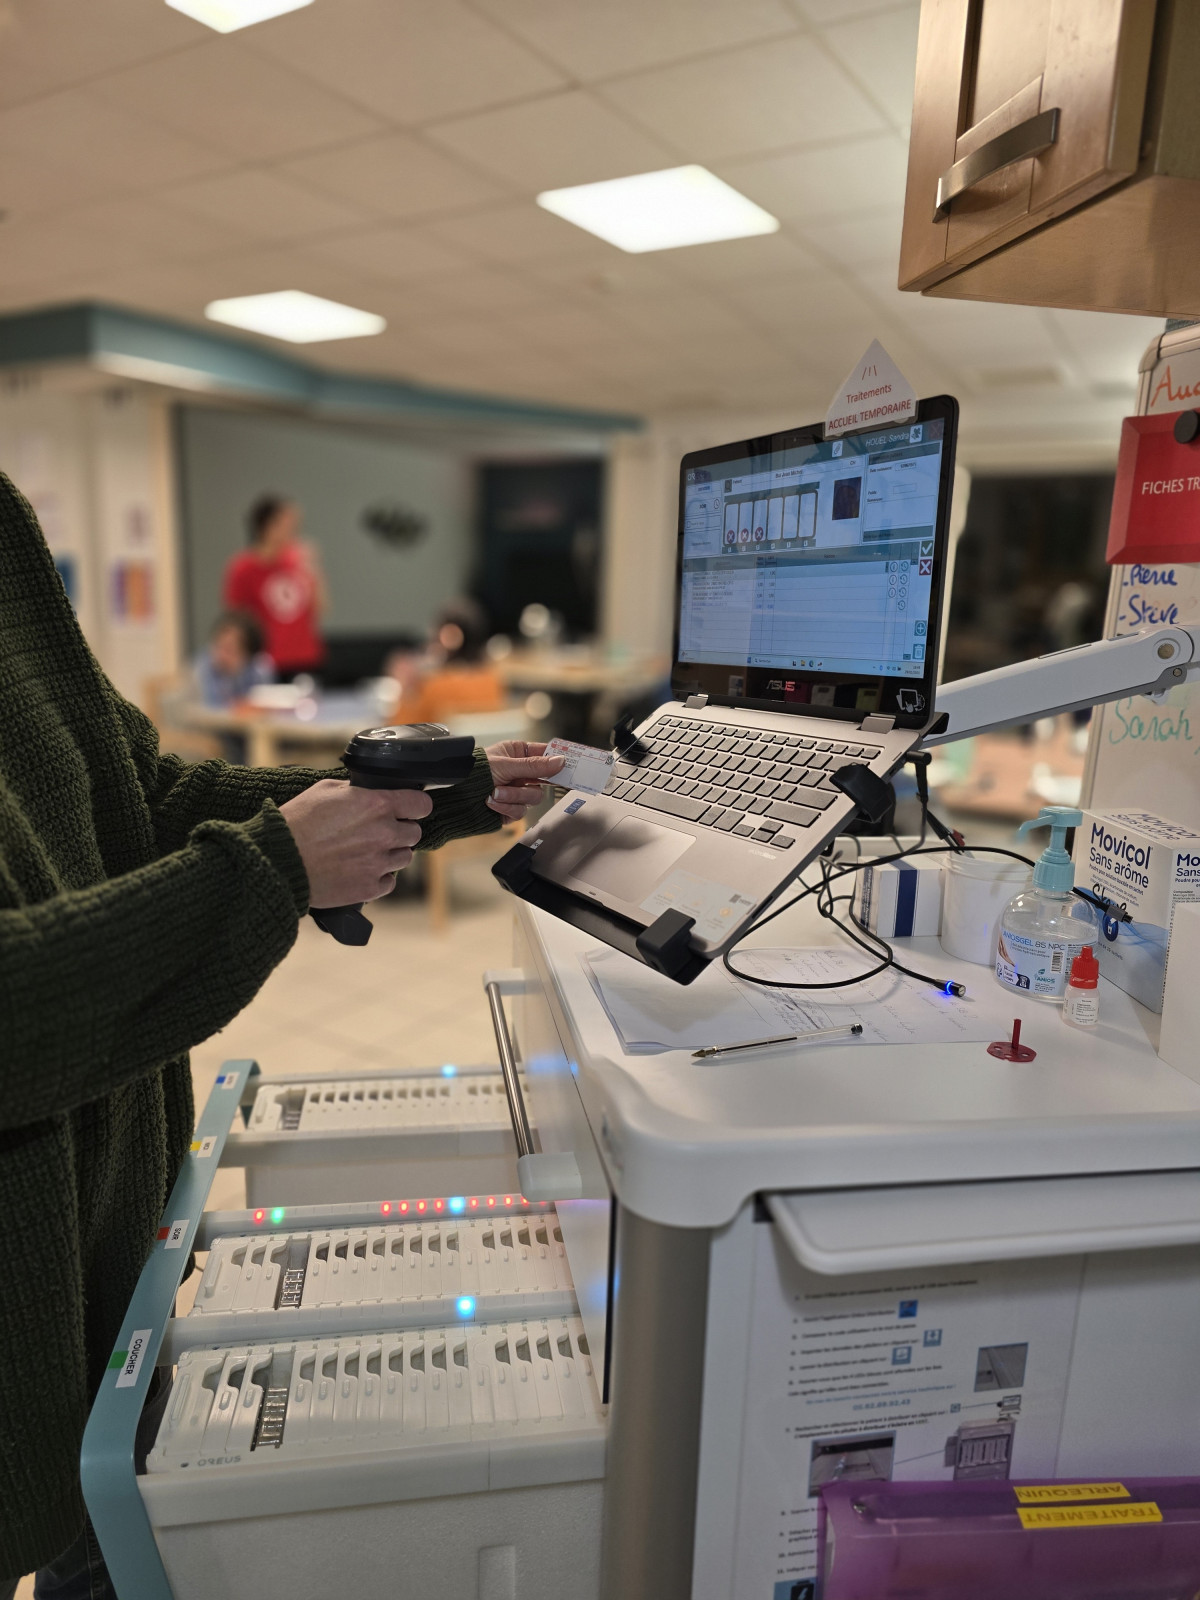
point(660, 210)
point(293, 315)
point(226, 16)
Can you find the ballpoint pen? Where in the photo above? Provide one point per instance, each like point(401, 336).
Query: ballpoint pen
point(844, 1032)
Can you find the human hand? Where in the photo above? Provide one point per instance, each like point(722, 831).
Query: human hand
point(354, 841)
point(519, 769)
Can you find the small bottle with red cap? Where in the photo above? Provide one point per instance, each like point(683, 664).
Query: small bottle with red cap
point(1081, 1003)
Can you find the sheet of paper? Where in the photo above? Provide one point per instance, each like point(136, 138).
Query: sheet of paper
point(651, 1014)
point(584, 767)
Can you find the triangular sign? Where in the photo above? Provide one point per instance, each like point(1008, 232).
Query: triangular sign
point(875, 391)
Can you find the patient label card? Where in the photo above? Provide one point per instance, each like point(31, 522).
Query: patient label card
point(584, 767)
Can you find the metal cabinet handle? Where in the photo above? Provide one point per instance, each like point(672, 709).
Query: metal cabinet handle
point(1028, 138)
point(508, 1067)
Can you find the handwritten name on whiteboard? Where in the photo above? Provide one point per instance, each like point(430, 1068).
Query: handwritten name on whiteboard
point(1157, 596)
point(1168, 726)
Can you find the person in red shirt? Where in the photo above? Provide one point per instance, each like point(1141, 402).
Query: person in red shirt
point(279, 582)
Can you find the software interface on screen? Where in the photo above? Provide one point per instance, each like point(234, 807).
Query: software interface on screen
point(818, 557)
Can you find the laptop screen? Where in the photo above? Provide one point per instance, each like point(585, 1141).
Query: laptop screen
point(810, 570)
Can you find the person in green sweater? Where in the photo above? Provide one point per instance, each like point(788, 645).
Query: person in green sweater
point(143, 902)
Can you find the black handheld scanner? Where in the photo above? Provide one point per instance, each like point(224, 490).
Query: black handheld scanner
point(420, 755)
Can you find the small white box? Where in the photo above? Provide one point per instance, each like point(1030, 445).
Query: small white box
point(1179, 1040)
point(901, 899)
point(1150, 866)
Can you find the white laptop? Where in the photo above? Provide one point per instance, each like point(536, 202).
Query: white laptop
point(807, 630)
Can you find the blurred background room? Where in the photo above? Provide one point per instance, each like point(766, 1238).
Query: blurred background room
point(329, 419)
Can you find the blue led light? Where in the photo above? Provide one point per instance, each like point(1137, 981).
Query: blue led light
point(456, 1203)
point(449, 1071)
point(465, 1306)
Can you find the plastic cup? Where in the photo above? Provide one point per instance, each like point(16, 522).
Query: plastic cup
point(976, 891)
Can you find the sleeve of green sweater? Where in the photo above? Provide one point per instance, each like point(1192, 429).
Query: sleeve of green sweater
point(99, 985)
point(182, 795)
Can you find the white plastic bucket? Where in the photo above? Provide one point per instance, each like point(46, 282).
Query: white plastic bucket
point(977, 889)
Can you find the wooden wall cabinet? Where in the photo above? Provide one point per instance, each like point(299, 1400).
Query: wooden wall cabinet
point(1055, 154)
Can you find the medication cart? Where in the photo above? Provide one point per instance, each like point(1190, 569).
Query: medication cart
point(394, 1396)
point(909, 1262)
point(758, 1275)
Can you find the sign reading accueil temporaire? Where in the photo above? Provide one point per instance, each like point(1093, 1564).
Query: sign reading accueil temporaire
point(875, 390)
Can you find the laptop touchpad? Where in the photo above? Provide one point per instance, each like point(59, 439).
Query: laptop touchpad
point(631, 859)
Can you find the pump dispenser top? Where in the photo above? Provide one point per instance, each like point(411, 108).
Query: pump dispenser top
point(1055, 871)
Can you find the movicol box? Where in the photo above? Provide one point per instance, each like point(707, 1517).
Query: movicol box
point(1149, 866)
point(900, 899)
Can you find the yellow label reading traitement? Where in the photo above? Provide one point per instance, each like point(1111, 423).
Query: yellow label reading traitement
point(1088, 1516)
point(1044, 1494)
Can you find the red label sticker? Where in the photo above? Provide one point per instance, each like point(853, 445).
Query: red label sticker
point(1156, 499)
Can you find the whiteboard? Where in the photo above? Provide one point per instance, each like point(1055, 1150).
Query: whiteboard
point(1142, 752)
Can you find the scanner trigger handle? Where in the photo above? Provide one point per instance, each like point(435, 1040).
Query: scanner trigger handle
point(346, 923)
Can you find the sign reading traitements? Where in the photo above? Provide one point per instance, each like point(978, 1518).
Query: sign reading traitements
point(874, 391)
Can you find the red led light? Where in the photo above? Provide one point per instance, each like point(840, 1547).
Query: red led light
point(420, 1205)
point(508, 1199)
point(386, 1207)
point(491, 1199)
point(438, 1204)
point(472, 1202)
point(259, 1215)
point(404, 1205)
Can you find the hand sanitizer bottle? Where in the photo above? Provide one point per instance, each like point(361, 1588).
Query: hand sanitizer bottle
point(1044, 928)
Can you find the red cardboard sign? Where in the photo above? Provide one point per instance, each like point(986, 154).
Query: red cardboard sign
point(1156, 499)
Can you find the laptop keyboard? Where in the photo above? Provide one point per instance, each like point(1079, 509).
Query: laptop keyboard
point(738, 781)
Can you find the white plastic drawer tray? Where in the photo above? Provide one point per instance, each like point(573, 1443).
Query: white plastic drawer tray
point(311, 1140)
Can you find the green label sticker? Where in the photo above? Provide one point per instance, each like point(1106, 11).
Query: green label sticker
point(117, 1359)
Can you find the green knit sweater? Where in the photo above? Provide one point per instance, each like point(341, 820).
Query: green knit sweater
point(143, 902)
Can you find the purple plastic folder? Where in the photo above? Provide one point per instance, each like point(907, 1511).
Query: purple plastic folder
point(1133, 1539)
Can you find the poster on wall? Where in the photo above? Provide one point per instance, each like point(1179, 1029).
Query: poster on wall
point(131, 591)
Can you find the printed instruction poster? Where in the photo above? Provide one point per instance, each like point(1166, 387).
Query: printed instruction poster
point(920, 1374)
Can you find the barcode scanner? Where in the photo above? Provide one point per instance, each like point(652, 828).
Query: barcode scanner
point(419, 755)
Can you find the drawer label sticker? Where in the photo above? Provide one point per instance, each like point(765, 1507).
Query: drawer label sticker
point(1033, 1517)
point(172, 1235)
point(128, 1362)
point(1043, 1494)
point(203, 1147)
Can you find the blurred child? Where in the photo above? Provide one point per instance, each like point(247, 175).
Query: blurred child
point(232, 663)
point(459, 678)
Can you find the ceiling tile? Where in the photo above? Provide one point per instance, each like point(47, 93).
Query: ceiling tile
point(964, 333)
point(391, 254)
point(867, 240)
point(71, 147)
point(51, 44)
point(834, 180)
point(552, 142)
point(40, 248)
point(262, 271)
point(395, 175)
point(760, 98)
point(262, 205)
point(594, 41)
point(822, 11)
point(237, 101)
point(520, 233)
point(472, 291)
point(409, 60)
point(1104, 346)
point(735, 260)
point(154, 230)
point(880, 52)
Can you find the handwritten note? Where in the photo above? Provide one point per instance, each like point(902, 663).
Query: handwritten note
point(1157, 596)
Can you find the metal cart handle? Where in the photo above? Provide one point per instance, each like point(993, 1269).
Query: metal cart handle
point(543, 1175)
point(1028, 138)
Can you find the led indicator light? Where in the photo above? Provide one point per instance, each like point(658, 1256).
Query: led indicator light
point(508, 1199)
point(386, 1207)
point(404, 1205)
point(259, 1215)
point(438, 1205)
point(491, 1199)
point(473, 1202)
point(277, 1214)
point(448, 1071)
point(420, 1205)
point(466, 1306)
point(457, 1203)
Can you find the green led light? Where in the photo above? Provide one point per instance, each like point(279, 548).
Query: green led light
point(277, 1214)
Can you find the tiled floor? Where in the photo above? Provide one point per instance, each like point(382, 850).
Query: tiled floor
point(408, 998)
